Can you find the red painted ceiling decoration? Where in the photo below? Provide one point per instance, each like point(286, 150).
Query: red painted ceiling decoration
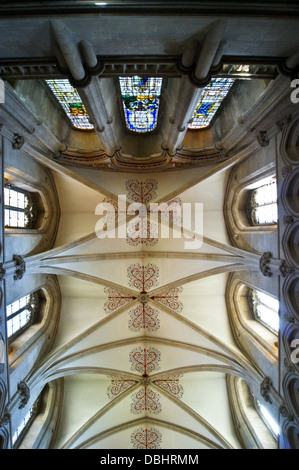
point(116, 299)
point(144, 317)
point(146, 438)
point(118, 386)
point(142, 191)
point(143, 278)
point(145, 399)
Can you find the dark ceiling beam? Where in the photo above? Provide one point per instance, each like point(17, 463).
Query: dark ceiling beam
point(232, 8)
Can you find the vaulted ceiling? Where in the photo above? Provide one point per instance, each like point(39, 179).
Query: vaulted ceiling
point(144, 342)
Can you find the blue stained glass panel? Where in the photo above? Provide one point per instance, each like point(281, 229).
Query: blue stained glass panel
point(141, 100)
point(210, 100)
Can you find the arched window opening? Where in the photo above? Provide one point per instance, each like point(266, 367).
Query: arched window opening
point(210, 101)
point(69, 98)
point(20, 314)
point(268, 419)
point(265, 309)
point(262, 203)
point(141, 100)
point(19, 208)
point(25, 424)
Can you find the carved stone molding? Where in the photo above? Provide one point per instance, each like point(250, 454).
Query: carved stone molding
point(18, 142)
point(20, 266)
point(24, 393)
point(266, 389)
point(264, 264)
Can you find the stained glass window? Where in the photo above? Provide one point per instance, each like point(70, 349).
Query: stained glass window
point(71, 102)
point(19, 208)
point(141, 98)
point(263, 203)
point(210, 100)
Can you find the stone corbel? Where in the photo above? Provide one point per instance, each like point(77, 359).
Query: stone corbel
point(263, 138)
point(20, 266)
point(18, 142)
point(264, 264)
point(265, 389)
point(24, 392)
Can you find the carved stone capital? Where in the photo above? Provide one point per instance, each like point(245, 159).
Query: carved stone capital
point(24, 392)
point(20, 266)
point(4, 419)
point(288, 366)
point(285, 413)
point(285, 269)
point(284, 122)
point(264, 264)
point(2, 272)
point(285, 171)
point(17, 142)
point(266, 389)
point(288, 219)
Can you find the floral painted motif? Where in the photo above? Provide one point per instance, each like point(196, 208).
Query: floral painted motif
point(118, 386)
point(170, 299)
point(171, 384)
point(145, 400)
point(141, 191)
point(145, 317)
point(145, 360)
point(151, 238)
point(116, 299)
point(146, 438)
point(143, 278)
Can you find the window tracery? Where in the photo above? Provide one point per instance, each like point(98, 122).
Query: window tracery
point(20, 314)
point(19, 208)
point(25, 424)
point(262, 203)
point(265, 309)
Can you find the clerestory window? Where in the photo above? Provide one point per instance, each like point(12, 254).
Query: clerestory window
point(265, 309)
point(141, 100)
point(262, 203)
point(210, 101)
point(69, 99)
point(20, 314)
point(268, 419)
point(19, 208)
